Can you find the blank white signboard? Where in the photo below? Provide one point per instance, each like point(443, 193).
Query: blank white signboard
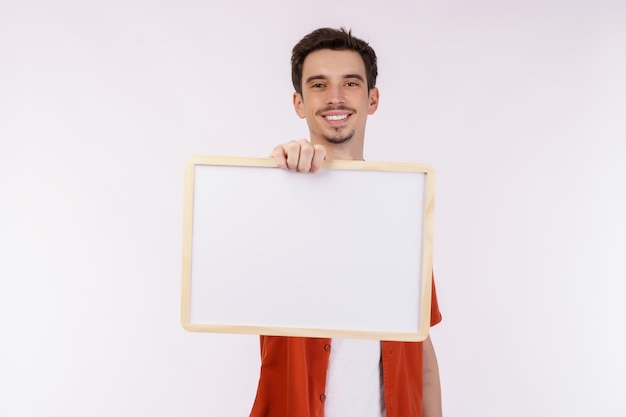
point(346, 252)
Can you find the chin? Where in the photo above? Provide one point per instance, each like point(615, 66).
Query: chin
point(338, 140)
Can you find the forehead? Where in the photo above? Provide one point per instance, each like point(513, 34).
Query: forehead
point(328, 63)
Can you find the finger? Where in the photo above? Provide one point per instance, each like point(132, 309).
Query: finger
point(292, 152)
point(306, 155)
point(318, 158)
point(278, 153)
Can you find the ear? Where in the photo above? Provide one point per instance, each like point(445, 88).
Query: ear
point(373, 101)
point(298, 105)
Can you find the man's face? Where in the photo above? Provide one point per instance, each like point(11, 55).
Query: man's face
point(335, 99)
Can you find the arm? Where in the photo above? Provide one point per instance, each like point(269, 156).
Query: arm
point(431, 400)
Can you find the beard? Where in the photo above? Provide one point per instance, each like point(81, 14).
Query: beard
point(338, 138)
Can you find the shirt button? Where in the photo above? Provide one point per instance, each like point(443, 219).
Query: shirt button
point(327, 347)
point(323, 397)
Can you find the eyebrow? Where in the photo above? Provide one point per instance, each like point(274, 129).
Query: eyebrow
point(323, 77)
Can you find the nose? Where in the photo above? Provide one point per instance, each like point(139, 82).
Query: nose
point(336, 95)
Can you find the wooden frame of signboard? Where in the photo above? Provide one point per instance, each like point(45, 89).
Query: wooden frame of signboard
point(346, 252)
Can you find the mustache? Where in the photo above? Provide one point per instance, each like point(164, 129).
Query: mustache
point(334, 108)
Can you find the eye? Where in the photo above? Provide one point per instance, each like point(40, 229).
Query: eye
point(317, 85)
point(352, 84)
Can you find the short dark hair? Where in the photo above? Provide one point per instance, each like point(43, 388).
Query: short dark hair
point(338, 40)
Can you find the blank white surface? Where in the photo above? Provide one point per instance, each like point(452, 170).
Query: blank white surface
point(337, 250)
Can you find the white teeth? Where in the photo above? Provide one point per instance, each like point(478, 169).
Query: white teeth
point(337, 117)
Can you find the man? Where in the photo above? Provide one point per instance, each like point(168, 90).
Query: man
point(334, 75)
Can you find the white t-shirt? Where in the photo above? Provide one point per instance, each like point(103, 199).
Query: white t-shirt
point(354, 383)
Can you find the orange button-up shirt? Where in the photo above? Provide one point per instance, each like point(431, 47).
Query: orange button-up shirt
point(293, 375)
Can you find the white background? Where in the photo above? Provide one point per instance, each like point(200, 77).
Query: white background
point(519, 105)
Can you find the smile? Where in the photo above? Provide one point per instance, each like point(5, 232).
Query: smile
point(335, 117)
